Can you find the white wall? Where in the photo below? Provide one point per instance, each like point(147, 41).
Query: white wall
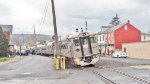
point(146, 36)
point(138, 49)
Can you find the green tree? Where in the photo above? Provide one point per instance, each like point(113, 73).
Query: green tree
point(115, 21)
point(3, 43)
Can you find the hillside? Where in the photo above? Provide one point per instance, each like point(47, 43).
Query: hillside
point(29, 39)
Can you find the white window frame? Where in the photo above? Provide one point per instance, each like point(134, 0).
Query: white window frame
point(125, 27)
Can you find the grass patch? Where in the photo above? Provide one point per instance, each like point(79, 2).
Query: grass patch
point(3, 59)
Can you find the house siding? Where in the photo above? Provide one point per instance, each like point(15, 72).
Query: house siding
point(126, 34)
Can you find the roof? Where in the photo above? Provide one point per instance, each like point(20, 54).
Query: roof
point(138, 42)
point(103, 28)
point(106, 29)
point(114, 28)
point(7, 28)
point(147, 34)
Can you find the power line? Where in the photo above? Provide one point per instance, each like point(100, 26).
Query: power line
point(45, 12)
point(44, 15)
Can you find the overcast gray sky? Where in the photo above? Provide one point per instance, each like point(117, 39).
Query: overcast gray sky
point(71, 14)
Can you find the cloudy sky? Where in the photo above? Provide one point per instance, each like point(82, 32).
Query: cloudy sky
point(71, 14)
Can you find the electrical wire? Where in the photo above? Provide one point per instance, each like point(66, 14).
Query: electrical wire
point(42, 22)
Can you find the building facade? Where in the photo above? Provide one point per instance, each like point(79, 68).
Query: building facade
point(7, 29)
point(115, 36)
point(138, 49)
point(145, 37)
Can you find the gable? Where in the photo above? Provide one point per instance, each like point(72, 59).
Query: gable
point(6, 28)
point(128, 27)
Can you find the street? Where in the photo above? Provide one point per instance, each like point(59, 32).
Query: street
point(36, 69)
point(40, 70)
point(74, 42)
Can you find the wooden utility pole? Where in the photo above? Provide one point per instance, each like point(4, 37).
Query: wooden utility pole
point(55, 29)
point(22, 39)
point(35, 39)
point(23, 42)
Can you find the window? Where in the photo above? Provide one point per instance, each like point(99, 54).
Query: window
point(103, 37)
point(63, 46)
point(76, 42)
point(84, 41)
point(144, 38)
point(93, 39)
point(125, 27)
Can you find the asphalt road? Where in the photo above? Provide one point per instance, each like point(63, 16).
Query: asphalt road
point(36, 69)
point(40, 70)
point(28, 66)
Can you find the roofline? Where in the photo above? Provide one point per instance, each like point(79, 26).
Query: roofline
point(138, 42)
point(134, 26)
point(118, 26)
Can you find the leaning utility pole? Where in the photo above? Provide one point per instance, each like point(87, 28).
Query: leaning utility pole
point(55, 29)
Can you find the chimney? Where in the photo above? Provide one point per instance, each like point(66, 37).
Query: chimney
point(128, 21)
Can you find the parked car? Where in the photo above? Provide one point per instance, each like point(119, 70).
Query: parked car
point(119, 54)
point(24, 52)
